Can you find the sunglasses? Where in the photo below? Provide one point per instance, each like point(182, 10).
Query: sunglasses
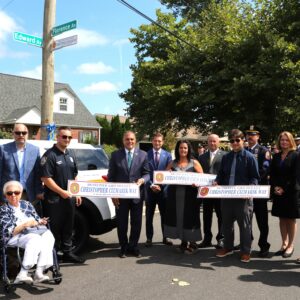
point(64, 137)
point(10, 193)
point(234, 141)
point(20, 132)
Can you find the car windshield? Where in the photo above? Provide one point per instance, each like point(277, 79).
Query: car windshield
point(91, 159)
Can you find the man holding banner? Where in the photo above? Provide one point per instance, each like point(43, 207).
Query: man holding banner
point(129, 165)
point(238, 167)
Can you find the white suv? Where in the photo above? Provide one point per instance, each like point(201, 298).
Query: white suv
point(95, 215)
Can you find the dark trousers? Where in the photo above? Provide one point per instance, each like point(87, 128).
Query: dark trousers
point(209, 205)
point(151, 202)
point(261, 213)
point(122, 214)
point(61, 214)
point(240, 210)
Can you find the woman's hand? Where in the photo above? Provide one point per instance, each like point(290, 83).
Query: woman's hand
point(43, 221)
point(278, 190)
point(30, 223)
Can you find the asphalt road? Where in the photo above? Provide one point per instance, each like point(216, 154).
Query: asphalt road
point(105, 276)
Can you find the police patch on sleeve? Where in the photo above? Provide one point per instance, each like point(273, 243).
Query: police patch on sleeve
point(43, 160)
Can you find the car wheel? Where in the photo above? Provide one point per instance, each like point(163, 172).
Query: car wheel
point(80, 232)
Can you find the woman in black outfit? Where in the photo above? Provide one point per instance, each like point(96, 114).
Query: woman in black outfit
point(286, 204)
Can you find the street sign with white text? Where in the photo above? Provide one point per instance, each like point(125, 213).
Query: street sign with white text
point(64, 27)
point(29, 39)
point(68, 41)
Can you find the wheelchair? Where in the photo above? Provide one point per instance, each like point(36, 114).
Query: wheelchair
point(9, 284)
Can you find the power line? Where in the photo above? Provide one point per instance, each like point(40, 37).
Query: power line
point(155, 23)
point(8, 3)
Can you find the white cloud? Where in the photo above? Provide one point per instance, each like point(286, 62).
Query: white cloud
point(99, 87)
point(7, 26)
point(86, 38)
point(36, 73)
point(95, 68)
point(121, 42)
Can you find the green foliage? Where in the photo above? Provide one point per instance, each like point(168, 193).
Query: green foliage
point(5, 135)
point(247, 69)
point(109, 149)
point(105, 130)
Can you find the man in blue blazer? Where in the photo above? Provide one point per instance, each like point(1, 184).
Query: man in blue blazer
point(158, 160)
point(129, 165)
point(20, 161)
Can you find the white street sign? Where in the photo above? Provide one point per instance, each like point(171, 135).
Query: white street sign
point(68, 41)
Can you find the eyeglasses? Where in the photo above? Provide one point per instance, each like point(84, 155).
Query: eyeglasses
point(10, 193)
point(20, 132)
point(234, 141)
point(64, 137)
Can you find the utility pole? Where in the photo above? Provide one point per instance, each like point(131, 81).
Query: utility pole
point(47, 70)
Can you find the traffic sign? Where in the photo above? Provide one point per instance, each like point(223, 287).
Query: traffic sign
point(29, 39)
point(68, 41)
point(64, 27)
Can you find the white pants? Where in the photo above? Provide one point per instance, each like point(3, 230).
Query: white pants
point(38, 248)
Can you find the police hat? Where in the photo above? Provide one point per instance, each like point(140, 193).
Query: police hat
point(252, 131)
point(297, 138)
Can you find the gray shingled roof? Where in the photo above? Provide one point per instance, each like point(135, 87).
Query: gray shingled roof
point(19, 94)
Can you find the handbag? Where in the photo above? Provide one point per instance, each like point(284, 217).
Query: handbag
point(40, 229)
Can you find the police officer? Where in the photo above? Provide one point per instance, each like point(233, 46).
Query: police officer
point(58, 165)
point(260, 208)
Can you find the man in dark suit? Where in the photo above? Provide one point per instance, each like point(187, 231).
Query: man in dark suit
point(260, 207)
point(211, 162)
point(129, 165)
point(297, 141)
point(20, 161)
point(156, 194)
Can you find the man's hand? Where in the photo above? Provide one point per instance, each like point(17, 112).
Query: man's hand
point(65, 194)
point(116, 202)
point(40, 196)
point(155, 188)
point(140, 181)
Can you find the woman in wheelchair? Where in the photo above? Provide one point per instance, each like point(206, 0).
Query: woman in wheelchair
point(16, 216)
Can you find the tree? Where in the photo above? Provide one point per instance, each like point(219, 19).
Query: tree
point(245, 72)
point(116, 131)
point(105, 130)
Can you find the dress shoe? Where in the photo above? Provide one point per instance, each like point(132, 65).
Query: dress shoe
point(279, 252)
point(264, 251)
point(220, 244)
point(148, 244)
point(237, 248)
point(71, 257)
point(288, 254)
point(223, 252)
point(205, 244)
point(167, 242)
point(23, 278)
point(137, 253)
point(122, 254)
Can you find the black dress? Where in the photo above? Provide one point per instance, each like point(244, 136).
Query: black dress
point(283, 174)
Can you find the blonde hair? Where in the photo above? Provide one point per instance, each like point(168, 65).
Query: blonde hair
point(290, 138)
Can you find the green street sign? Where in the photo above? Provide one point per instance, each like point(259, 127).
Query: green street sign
point(28, 39)
point(64, 27)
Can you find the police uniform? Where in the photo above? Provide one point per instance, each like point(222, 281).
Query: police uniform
point(260, 207)
point(61, 167)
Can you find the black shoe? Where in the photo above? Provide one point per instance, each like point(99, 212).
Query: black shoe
point(220, 244)
point(264, 251)
point(167, 242)
point(148, 244)
point(287, 255)
point(137, 253)
point(205, 244)
point(71, 257)
point(237, 248)
point(279, 252)
point(122, 254)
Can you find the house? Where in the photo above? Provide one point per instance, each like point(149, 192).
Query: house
point(20, 99)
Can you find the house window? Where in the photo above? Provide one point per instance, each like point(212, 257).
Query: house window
point(63, 104)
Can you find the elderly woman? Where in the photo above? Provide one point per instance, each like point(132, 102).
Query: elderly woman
point(15, 216)
point(286, 204)
point(182, 206)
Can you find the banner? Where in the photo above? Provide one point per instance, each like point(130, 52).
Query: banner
point(103, 189)
point(234, 191)
point(182, 178)
point(92, 175)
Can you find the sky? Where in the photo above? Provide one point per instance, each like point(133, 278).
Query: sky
point(97, 68)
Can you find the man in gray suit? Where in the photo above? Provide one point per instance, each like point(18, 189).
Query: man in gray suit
point(20, 161)
point(129, 165)
point(211, 162)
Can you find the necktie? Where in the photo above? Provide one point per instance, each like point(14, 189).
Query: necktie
point(232, 171)
point(156, 158)
point(129, 159)
point(212, 156)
